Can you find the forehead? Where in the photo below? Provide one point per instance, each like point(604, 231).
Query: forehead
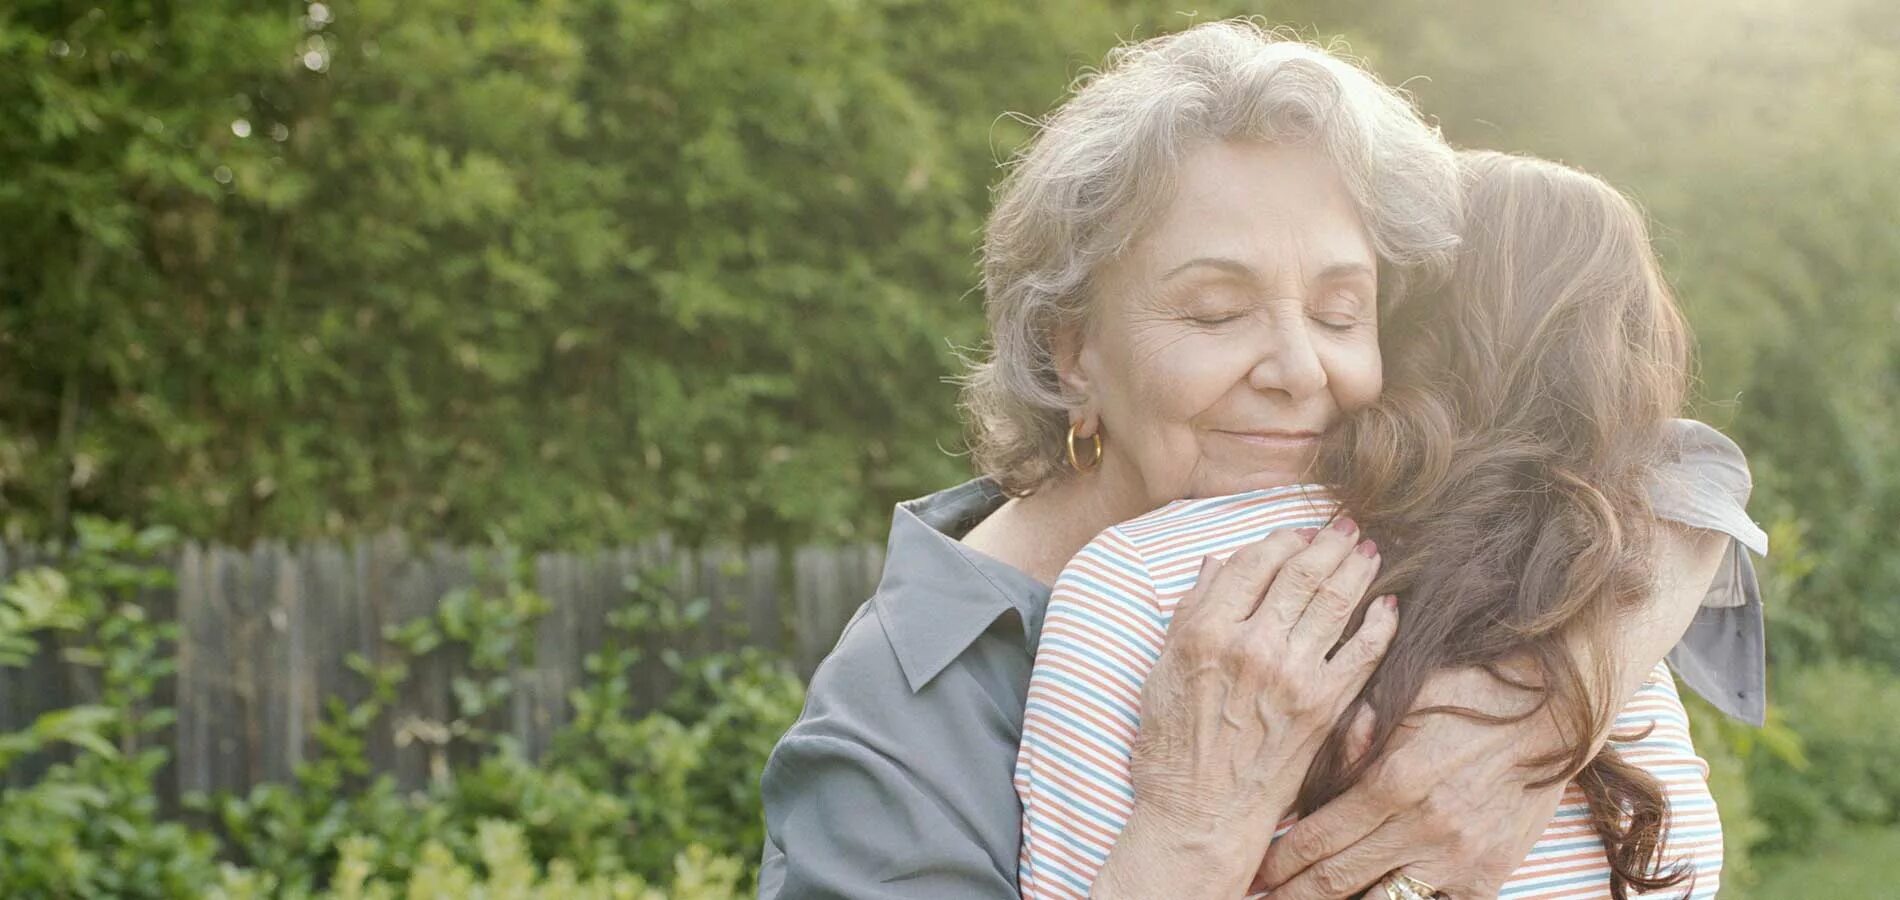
point(1281, 209)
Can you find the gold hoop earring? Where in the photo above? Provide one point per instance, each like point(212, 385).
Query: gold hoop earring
point(1074, 460)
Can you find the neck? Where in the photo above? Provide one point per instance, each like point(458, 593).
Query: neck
point(1039, 533)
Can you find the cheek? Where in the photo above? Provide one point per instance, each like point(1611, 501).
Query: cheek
point(1159, 379)
point(1354, 374)
point(1184, 376)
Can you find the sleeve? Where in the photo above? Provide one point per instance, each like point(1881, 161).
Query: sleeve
point(1722, 655)
point(879, 792)
point(1101, 636)
point(1692, 832)
point(1706, 485)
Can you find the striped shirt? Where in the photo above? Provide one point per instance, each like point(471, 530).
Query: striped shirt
point(1105, 626)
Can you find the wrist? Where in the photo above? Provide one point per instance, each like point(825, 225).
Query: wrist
point(1157, 856)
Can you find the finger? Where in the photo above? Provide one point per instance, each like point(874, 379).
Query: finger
point(1332, 828)
point(1346, 873)
point(1235, 590)
point(1323, 623)
point(1451, 882)
point(1184, 608)
point(1362, 652)
point(1359, 734)
point(1300, 576)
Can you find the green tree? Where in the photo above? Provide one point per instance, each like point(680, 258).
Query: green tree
point(571, 271)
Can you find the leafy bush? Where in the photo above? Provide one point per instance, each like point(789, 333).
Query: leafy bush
point(570, 270)
point(1715, 737)
point(624, 806)
point(1848, 773)
point(1860, 862)
point(506, 870)
point(89, 827)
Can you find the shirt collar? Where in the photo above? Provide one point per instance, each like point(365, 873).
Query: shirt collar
point(938, 596)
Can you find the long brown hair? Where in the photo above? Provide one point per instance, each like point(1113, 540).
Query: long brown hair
point(1503, 474)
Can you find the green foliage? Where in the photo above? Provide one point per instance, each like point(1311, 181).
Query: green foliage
point(663, 804)
point(572, 271)
point(691, 772)
point(575, 272)
point(508, 872)
point(90, 826)
point(1849, 771)
point(1863, 862)
point(1714, 737)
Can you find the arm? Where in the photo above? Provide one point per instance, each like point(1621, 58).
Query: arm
point(1450, 803)
point(1231, 710)
point(1449, 796)
point(1101, 636)
point(1686, 562)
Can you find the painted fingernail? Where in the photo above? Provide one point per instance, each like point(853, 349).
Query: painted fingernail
point(1308, 534)
point(1345, 526)
point(1368, 549)
point(1391, 601)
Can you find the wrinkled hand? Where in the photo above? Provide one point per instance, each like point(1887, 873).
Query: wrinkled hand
point(1449, 804)
point(1240, 701)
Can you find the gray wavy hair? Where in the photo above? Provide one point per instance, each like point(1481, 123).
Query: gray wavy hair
point(1107, 161)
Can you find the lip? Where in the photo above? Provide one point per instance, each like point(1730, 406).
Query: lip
point(1273, 439)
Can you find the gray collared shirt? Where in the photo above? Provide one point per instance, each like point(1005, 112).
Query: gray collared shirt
point(897, 780)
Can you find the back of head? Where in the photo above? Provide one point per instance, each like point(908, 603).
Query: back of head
point(1558, 318)
point(1504, 469)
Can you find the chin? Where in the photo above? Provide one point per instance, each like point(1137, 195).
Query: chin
point(1240, 483)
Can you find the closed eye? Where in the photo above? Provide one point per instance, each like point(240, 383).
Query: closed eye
point(1342, 311)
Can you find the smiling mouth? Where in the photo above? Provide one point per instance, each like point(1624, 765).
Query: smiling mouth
point(1274, 439)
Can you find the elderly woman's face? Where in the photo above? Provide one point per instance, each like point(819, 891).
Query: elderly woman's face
point(1236, 330)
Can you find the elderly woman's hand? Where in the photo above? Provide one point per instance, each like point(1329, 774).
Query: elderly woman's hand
point(1247, 687)
point(1449, 804)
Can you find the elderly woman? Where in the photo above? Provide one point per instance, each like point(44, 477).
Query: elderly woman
point(1195, 163)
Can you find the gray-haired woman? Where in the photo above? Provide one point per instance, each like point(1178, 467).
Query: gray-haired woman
point(1219, 160)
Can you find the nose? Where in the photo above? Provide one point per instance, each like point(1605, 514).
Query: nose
point(1288, 362)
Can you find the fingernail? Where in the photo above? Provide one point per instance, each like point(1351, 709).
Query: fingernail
point(1345, 526)
point(1368, 549)
point(1391, 601)
point(1308, 534)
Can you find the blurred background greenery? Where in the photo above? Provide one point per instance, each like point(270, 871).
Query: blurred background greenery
point(574, 273)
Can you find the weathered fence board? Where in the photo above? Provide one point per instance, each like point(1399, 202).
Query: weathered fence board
point(265, 632)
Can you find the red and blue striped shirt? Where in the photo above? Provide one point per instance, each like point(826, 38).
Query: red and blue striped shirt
point(1104, 630)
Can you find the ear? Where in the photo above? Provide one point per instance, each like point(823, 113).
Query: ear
point(1071, 358)
point(1066, 351)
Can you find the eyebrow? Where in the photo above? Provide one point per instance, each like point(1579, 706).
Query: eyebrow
point(1331, 272)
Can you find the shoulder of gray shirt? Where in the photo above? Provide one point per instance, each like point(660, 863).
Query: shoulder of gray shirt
point(1705, 484)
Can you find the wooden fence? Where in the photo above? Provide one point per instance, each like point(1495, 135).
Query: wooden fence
point(265, 634)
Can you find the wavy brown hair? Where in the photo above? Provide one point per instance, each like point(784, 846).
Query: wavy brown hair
point(1503, 473)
